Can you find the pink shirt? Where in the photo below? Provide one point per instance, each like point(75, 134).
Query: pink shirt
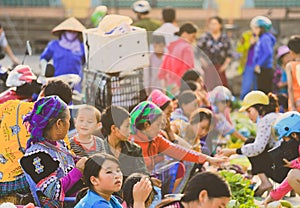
point(179, 59)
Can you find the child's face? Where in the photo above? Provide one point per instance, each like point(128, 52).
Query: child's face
point(124, 130)
point(153, 129)
point(252, 114)
point(159, 48)
point(109, 179)
point(285, 59)
point(201, 129)
point(221, 105)
point(168, 110)
point(86, 123)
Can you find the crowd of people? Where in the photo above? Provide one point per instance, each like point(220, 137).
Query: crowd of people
point(139, 157)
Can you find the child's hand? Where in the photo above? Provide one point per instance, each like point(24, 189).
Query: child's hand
point(288, 164)
point(80, 164)
point(216, 161)
point(268, 200)
point(141, 191)
point(227, 152)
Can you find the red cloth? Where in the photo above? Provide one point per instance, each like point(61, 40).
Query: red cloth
point(179, 59)
point(157, 145)
point(12, 95)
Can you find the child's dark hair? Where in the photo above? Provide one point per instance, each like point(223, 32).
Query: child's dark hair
point(294, 44)
point(113, 115)
point(189, 85)
point(188, 28)
point(158, 39)
point(201, 114)
point(214, 184)
point(93, 109)
point(273, 105)
point(59, 88)
point(164, 106)
point(190, 75)
point(186, 97)
point(169, 14)
point(93, 166)
point(128, 188)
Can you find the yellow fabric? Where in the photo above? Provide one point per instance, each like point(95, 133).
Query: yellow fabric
point(9, 147)
point(243, 47)
point(230, 9)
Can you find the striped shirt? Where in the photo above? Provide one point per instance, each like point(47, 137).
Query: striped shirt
point(82, 151)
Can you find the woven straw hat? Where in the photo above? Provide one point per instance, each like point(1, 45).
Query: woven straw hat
point(70, 24)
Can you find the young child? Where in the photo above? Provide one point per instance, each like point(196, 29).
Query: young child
point(103, 177)
point(188, 102)
point(130, 185)
point(280, 78)
point(146, 123)
point(221, 99)
point(293, 70)
point(86, 122)
point(116, 129)
point(151, 80)
point(287, 128)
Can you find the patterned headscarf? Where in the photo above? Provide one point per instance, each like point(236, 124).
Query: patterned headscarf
point(145, 111)
point(44, 110)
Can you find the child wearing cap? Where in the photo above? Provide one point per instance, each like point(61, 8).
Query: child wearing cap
point(280, 78)
point(221, 98)
point(288, 128)
point(293, 74)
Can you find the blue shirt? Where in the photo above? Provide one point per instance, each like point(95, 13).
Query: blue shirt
point(263, 51)
point(93, 200)
point(64, 60)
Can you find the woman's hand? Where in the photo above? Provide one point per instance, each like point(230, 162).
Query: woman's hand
point(216, 161)
point(80, 164)
point(227, 152)
point(141, 191)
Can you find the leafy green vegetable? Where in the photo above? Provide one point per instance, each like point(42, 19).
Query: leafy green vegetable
point(240, 189)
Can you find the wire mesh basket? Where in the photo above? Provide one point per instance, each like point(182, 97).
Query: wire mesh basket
point(122, 89)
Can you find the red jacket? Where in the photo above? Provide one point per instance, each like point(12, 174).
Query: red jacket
point(179, 59)
point(151, 150)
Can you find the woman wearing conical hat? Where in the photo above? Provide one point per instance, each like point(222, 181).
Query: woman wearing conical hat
point(67, 52)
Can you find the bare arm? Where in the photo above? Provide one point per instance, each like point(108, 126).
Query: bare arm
point(11, 55)
point(290, 85)
point(239, 135)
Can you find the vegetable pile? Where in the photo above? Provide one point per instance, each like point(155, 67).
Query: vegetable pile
point(244, 125)
point(242, 194)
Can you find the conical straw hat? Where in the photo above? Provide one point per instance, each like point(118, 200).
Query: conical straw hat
point(70, 24)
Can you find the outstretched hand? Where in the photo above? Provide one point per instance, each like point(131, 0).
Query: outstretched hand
point(227, 152)
point(217, 161)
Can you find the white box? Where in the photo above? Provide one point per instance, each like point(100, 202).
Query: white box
point(120, 53)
